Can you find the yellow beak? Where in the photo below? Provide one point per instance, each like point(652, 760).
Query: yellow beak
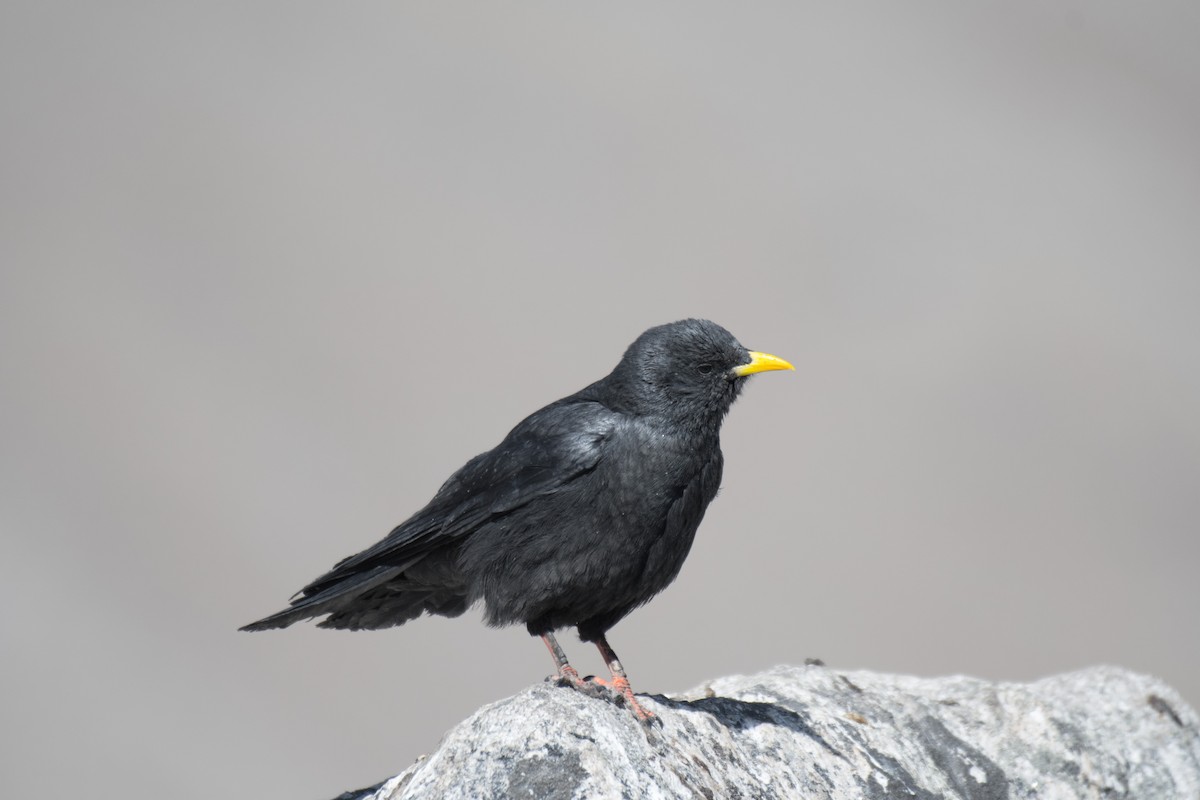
point(760, 362)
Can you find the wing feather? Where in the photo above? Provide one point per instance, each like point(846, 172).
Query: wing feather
point(542, 454)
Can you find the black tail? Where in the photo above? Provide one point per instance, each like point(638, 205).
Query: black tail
point(330, 600)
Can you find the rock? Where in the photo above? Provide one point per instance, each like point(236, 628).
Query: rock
point(815, 732)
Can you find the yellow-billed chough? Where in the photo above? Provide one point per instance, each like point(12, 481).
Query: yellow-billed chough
point(584, 512)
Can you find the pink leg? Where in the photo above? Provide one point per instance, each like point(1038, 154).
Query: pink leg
point(565, 671)
point(620, 683)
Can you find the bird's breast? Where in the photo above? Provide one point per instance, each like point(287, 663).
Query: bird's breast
point(659, 485)
point(611, 539)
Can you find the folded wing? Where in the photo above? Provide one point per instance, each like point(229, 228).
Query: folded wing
point(412, 570)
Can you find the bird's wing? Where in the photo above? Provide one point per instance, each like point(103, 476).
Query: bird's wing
point(543, 453)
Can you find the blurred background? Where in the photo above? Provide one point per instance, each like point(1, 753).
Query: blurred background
point(270, 272)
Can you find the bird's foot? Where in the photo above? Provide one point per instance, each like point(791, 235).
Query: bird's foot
point(622, 693)
point(617, 691)
point(568, 677)
point(621, 687)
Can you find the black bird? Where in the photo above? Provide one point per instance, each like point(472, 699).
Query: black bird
point(584, 512)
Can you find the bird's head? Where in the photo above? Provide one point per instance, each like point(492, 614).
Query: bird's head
point(690, 371)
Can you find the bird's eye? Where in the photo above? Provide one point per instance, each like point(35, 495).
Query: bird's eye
point(705, 369)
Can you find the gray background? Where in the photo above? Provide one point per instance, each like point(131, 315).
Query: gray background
point(272, 271)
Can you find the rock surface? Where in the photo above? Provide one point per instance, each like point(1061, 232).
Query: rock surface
point(816, 732)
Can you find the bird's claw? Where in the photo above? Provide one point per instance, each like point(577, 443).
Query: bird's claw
point(619, 693)
point(594, 690)
point(585, 686)
point(628, 700)
point(616, 692)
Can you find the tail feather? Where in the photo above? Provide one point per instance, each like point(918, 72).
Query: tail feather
point(328, 601)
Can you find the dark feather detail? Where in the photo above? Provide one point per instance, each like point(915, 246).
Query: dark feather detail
point(585, 511)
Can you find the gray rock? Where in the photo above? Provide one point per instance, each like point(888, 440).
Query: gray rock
point(815, 732)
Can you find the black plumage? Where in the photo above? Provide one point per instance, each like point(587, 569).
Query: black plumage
point(584, 512)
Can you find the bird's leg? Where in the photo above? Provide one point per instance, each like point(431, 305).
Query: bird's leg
point(565, 671)
point(567, 676)
point(620, 683)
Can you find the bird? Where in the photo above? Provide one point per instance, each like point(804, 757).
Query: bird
point(584, 512)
